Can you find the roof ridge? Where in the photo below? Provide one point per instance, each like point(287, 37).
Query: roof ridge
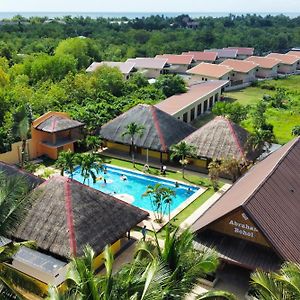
point(70, 217)
point(230, 125)
point(157, 127)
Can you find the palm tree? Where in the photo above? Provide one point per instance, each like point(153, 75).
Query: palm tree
point(133, 129)
point(232, 167)
point(91, 164)
point(14, 198)
point(20, 129)
point(186, 264)
point(66, 161)
point(93, 142)
point(278, 286)
point(182, 151)
point(160, 197)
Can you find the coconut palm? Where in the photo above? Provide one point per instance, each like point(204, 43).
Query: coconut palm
point(283, 285)
point(183, 151)
point(14, 192)
point(232, 167)
point(161, 198)
point(132, 130)
point(20, 129)
point(93, 142)
point(66, 162)
point(185, 263)
point(91, 164)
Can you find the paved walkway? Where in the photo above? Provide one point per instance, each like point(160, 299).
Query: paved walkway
point(204, 207)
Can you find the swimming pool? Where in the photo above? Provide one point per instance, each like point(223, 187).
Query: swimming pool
point(132, 189)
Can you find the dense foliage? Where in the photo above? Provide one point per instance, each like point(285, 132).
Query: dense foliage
point(42, 62)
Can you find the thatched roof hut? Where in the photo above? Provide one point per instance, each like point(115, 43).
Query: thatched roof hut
point(221, 139)
point(11, 170)
point(161, 130)
point(67, 215)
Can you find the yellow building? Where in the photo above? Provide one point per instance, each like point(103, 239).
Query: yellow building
point(54, 132)
point(160, 132)
point(66, 216)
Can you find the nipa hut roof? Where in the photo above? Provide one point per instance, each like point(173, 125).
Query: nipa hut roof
point(220, 139)
point(58, 123)
point(67, 215)
point(11, 170)
point(161, 130)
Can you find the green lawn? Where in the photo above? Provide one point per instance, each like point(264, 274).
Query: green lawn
point(189, 179)
point(283, 120)
point(248, 96)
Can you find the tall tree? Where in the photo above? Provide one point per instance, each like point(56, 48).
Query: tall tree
point(132, 130)
point(183, 151)
point(91, 164)
point(21, 128)
point(66, 161)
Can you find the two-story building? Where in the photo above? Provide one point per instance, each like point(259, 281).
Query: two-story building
point(201, 56)
point(242, 52)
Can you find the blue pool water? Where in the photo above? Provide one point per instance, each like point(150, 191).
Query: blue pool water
point(135, 186)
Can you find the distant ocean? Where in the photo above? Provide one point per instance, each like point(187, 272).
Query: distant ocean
point(133, 15)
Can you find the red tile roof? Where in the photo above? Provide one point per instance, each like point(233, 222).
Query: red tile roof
point(148, 62)
point(284, 58)
point(243, 50)
point(176, 103)
point(241, 66)
point(269, 194)
point(264, 62)
point(295, 53)
point(124, 67)
point(210, 70)
point(203, 56)
point(175, 59)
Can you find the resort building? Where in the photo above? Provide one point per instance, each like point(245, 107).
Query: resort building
point(267, 66)
point(242, 52)
point(288, 63)
point(295, 53)
point(199, 99)
point(224, 54)
point(205, 71)
point(201, 56)
point(54, 132)
point(177, 63)
point(243, 71)
point(150, 67)
point(161, 131)
point(255, 224)
point(219, 139)
point(65, 217)
point(126, 68)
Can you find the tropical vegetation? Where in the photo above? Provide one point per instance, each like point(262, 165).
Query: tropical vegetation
point(183, 151)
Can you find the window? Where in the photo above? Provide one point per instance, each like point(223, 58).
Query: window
point(192, 114)
point(199, 107)
point(216, 97)
point(211, 100)
point(205, 105)
point(185, 117)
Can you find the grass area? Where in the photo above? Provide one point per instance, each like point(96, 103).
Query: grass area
point(283, 120)
point(189, 179)
point(247, 96)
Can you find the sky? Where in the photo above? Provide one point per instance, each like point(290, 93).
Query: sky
point(150, 6)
